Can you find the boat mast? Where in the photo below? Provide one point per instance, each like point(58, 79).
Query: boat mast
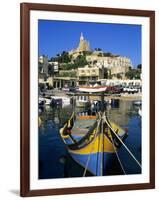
point(102, 102)
point(102, 132)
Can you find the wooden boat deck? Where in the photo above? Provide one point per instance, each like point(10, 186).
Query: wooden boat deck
point(83, 124)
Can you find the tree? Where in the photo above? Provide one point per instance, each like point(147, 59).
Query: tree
point(130, 74)
point(80, 61)
point(40, 66)
point(64, 57)
point(100, 54)
point(133, 74)
point(105, 73)
point(110, 74)
point(119, 76)
point(98, 49)
point(108, 54)
point(139, 66)
point(50, 70)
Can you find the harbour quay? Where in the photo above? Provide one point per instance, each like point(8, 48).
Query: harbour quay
point(94, 97)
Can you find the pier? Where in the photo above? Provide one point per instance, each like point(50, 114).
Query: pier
point(96, 97)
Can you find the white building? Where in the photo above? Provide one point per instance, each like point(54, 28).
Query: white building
point(55, 65)
point(87, 74)
point(116, 64)
point(111, 82)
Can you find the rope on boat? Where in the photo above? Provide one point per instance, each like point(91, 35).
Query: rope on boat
point(118, 156)
point(89, 156)
point(98, 148)
point(102, 149)
point(100, 116)
point(131, 154)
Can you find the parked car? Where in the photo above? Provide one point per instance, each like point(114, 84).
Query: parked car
point(130, 90)
point(72, 89)
point(113, 90)
point(66, 89)
point(119, 89)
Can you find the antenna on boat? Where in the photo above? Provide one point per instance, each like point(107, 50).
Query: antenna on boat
point(102, 101)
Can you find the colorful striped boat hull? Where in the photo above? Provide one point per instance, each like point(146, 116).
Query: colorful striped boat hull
point(94, 166)
point(94, 150)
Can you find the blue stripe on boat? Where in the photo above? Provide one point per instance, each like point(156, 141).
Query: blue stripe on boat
point(95, 160)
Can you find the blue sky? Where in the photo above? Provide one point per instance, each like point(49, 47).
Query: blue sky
point(57, 36)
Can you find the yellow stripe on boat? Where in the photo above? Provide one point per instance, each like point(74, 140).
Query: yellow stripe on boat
point(62, 130)
point(97, 146)
point(100, 143)
point(117, 128)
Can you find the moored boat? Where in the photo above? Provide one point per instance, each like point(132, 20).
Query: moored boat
point(46, 100)
point(137, 103)
point(91, 89)
point(92, 141)
point(140, 112)
point(82, 101)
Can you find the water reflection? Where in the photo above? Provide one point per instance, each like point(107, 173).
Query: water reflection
point(54, 160)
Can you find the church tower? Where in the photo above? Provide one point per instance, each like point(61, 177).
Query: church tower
point(81, 37)
point(83, 44)
point(82, 47)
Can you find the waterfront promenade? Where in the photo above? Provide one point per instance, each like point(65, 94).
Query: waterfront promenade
point(121, 96)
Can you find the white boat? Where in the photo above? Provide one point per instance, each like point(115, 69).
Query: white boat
point(137, 103)
point(92, 88)
point(46, 100)
point(82, 101)
point(65, 100)
point(41, 100)
point(140, 112)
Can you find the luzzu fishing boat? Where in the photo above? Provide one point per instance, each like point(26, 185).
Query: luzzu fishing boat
point(92, 141)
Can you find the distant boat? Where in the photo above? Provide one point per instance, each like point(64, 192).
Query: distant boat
point(97, 104)
point(56, 102)
point(64, 100)
point(92, 141)
point(47, 100)
point(140, 112)
point(41, 103)
point(82, 101)
point(92, 88)
point(137, 103)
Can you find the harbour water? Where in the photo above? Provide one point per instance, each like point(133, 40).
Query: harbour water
point(54, 160)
